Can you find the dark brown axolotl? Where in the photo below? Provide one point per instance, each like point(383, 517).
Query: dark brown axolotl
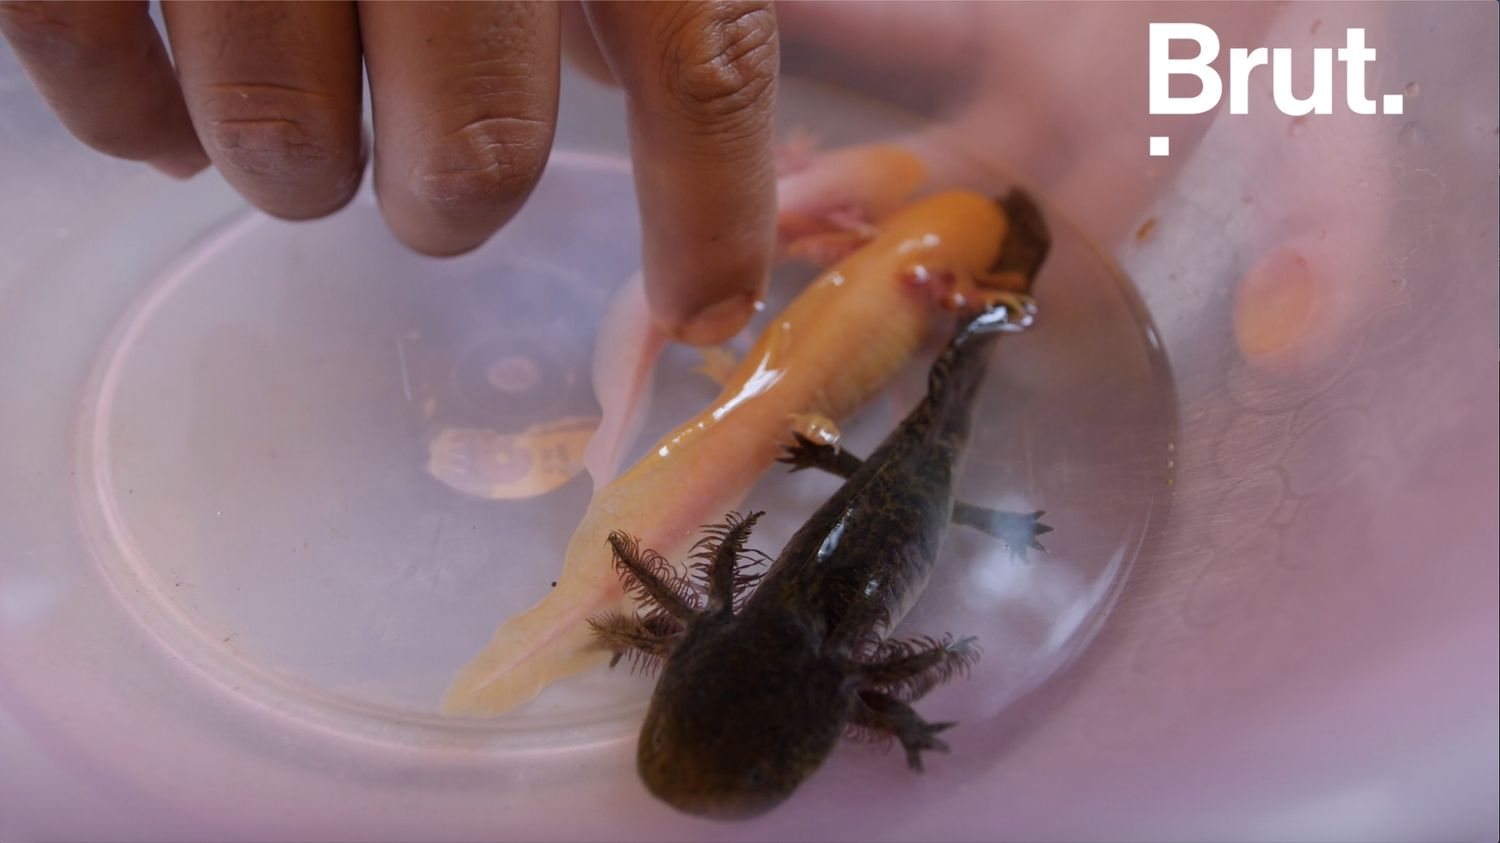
point(758, 686)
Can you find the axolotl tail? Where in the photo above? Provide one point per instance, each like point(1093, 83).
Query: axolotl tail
point(527, 653)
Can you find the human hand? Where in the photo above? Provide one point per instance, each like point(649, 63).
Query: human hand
point(464, 105)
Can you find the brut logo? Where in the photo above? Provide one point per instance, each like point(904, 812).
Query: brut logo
point(1242, 62)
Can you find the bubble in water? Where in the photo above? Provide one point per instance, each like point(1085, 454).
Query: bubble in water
point(1412, 89)
point(1412, 135)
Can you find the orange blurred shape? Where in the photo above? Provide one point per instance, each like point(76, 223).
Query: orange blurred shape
point(1277, 307)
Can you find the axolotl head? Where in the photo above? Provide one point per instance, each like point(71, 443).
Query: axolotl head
point(746, 708)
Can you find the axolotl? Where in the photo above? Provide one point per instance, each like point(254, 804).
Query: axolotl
point(831, 350)
point(758, 687)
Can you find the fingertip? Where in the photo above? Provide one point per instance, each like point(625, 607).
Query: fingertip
point(706, 274)
point(425, 241)
point(447, 211)
point(704, 285)
point(717, 322)
point(181, 165)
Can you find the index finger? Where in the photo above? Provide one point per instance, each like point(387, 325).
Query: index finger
point(699, 80)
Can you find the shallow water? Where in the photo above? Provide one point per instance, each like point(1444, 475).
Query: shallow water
point(257, 450)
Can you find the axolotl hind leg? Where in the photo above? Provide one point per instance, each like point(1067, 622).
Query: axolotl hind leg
point(1019, 530)
point(845, 232)
point(718, 364)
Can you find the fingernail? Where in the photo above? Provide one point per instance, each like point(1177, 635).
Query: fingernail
point(181, 165)
point(717, 322)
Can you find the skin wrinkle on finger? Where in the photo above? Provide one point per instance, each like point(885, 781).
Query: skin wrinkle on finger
point(465, 111)
point(510, 161)
point(262, 146)
point(245, 88)
point(289, 145)
point(714, 72)
point(487, 174)
point(718, 68)
point(478, 107)
point(495, 121)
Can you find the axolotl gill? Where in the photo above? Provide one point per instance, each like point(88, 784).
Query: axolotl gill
point(830, 351)
point(761, 675)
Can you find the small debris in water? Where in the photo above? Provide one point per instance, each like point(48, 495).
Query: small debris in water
point(1144, 233)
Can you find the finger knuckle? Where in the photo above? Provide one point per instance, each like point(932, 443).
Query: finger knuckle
point(720, 61)
point(277, 135)
point(270, 147)
point(485, 166)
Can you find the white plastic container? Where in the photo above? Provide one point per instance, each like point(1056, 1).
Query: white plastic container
point(232, 591)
